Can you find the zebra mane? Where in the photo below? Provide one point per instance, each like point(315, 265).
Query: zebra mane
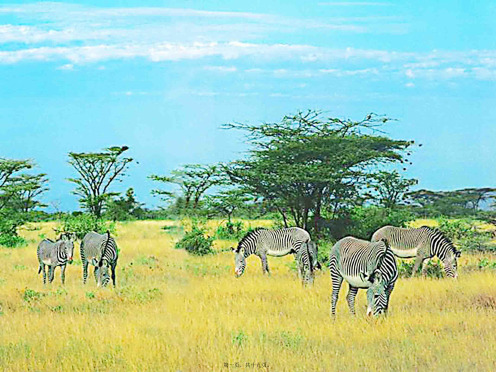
point(439, 234)
point(248, 235)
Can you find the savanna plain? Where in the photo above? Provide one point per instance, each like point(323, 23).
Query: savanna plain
point(172, 311)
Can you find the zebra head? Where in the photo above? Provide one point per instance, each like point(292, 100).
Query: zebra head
point(450, 262)
point(377, 296)
point(239, 261)
point(68, 246)
point(102, 275)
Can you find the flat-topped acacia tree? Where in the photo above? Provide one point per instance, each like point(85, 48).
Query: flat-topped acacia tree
point(97, 172)
point(309, 164)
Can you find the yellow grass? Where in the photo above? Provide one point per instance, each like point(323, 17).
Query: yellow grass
point(171, 311)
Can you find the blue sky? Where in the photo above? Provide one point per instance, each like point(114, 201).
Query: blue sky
point(162, 76)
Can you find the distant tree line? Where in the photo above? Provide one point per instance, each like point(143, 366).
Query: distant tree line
point(328, 175)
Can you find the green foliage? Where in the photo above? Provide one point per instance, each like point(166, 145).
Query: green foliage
point(30, 295)
point(81, 224)
point(124, 208)
point(231, 231)
point(362, 222)
point(484, 263)
point(389, 188)
point(239, 338)
point(193, 181)
point(12, 241)
point(195, 242)
point(466, 234)
point(456, 203)
point(97, 172)
point(307, 163)
point(433, 269)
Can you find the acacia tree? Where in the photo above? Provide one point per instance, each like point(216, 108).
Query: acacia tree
point(193, 180)
point(389, 188)
point(97, 172)
point(308, 163)
point(19, 193)
point(227, 201)
point(462, 202)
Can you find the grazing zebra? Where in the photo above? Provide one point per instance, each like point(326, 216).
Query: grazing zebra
point(363, 265)
point(422, 243)
point(53, 254)
point(101, 251)
point(278, 243)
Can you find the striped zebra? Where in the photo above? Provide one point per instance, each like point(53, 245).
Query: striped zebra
point(53, 254)
point(277, 243)
point(422, 243)
point(101, 251)
point(365, 265)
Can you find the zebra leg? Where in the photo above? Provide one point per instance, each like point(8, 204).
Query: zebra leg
point(85, 271)
point(96, 274)
point(51, 271)
point(337, 280)
point(352, 292)
point(418, 262)
point(424, 267)
point(112, 268)
point(62, 274)
point(265, 264)
point(42, 267)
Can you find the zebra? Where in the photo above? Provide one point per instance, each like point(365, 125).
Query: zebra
point(101, 251)
point(278, 243)
point(365, 265)
point(422, 243)
point(53, 254)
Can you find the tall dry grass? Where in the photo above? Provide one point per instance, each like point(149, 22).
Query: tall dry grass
point(171, 311)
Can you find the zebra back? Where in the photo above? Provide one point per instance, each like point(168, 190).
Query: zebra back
point(352, 257)
point(281, 239)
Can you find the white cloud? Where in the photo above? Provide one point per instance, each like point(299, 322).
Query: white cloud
point(67, 67)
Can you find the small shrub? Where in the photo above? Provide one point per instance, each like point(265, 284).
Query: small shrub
point(433, 269)
point(231, 230)
point(465, 233)
point(484, 263)
point(239, 338)
point(195, 242)
point(90, 295)
point(84, 223)
point(29, 295)
point(8, 233)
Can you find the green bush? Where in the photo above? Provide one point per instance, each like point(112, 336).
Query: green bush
point(231, 230)
point(195, 242)
point(8, 233)
point(466, 235)
point(81, 224)
point(364, 221)
point(434, 269)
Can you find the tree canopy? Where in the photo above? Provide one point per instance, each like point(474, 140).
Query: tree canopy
point(97, 172)
point(308, 163)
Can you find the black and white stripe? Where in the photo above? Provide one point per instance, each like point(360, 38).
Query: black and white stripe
point(365, 265)
point(101, 251)
point(281, 242)
point(422, 243)
point(53, 254)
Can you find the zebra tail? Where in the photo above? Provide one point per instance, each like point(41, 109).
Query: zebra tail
point(39, 270)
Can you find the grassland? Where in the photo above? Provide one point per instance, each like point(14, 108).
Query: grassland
point(171, 311)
